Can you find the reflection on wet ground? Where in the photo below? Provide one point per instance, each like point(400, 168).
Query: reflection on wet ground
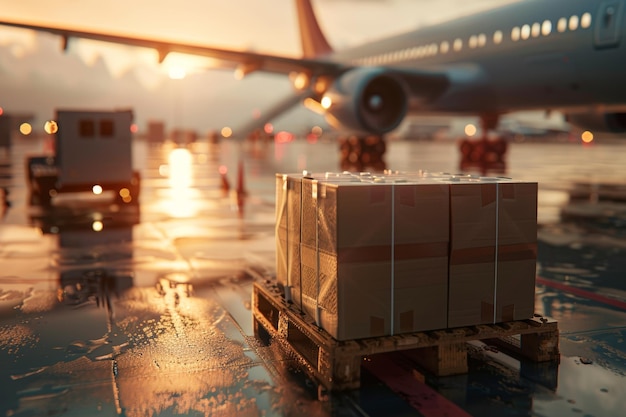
point(145, 311)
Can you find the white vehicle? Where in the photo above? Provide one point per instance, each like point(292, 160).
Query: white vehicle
point(92, 153)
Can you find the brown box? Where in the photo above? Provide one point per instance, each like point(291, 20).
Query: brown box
point(420, 298)
point(350, 299)
point(472, 253)
point(517, 251)
point(493, 232)
point(360, 240)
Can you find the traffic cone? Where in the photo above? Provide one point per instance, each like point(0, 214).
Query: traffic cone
point(241, 188)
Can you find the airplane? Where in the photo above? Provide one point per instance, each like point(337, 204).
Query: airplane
point(558, 55)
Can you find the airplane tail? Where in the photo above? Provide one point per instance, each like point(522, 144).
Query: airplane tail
point(314, 42)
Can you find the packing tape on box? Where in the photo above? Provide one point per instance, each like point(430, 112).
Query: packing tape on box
point(401, 252)
point(495, 272)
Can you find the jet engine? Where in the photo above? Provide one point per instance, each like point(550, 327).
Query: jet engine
point(368, 100)
point(599, 122)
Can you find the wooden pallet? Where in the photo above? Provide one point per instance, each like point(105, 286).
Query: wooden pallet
point(337, 364)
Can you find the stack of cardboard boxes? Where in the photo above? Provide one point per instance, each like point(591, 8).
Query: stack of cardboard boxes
point(370, 256)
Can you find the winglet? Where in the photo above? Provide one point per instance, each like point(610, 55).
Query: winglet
point(314, 42)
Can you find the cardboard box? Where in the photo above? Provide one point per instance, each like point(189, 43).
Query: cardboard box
point(517, 251)
point(493, 239)
point(374, 256)
point(472, 253)
point(370, 256)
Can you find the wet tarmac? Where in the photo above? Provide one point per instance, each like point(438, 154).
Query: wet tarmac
point(146, 310)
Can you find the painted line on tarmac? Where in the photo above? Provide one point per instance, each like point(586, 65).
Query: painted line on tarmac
point(582, 293)
point(403, 382)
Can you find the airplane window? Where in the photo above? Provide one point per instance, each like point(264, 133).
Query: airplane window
point(585, 21)
point(525, 32)
point(562, 25)
point(546, 28)
point(86, 128)
point(497, 37)
point(515, 34)
point(536, 30)
point(458, 44)
point(107, 128)
point(573, 22)
point(445, 47)
point(473, 41)
point(482, 40)
point(433, 49)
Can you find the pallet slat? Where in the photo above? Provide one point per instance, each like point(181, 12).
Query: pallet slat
point(336, 364)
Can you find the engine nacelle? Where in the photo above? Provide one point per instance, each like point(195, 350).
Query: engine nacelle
point(367, 100)
point(599, 122)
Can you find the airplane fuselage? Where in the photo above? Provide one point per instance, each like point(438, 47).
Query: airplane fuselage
point(534, 54)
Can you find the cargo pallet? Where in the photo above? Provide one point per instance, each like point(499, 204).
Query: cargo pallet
point(336, 365)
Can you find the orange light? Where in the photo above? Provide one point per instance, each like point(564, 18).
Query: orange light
point(326, 102)
point(134, 128)
point(268, 128)
point(470, 130)
point(50, 127)
point(1, 111)
point(227, 132)
point(301, 81)
point(26, 129)
point(317, 130)
point(312, 138)
point(283, 137)
point(587, 136)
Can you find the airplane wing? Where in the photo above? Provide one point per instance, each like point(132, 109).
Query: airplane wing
point(359, 91)
point(228, 58)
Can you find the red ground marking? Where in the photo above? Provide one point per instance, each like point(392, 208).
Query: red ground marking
point(419, 395)
point(582, 293)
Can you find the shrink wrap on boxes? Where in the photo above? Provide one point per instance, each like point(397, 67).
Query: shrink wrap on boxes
point(371, 256)
point(288, 220)
point(374, 256)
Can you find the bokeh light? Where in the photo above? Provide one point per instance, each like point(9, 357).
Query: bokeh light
point(587, 136)
point(470, 130)
point(227, 132)
point(26, 129)
point(51, 127)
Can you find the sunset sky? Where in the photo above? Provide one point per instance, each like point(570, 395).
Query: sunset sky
point(35, 76)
